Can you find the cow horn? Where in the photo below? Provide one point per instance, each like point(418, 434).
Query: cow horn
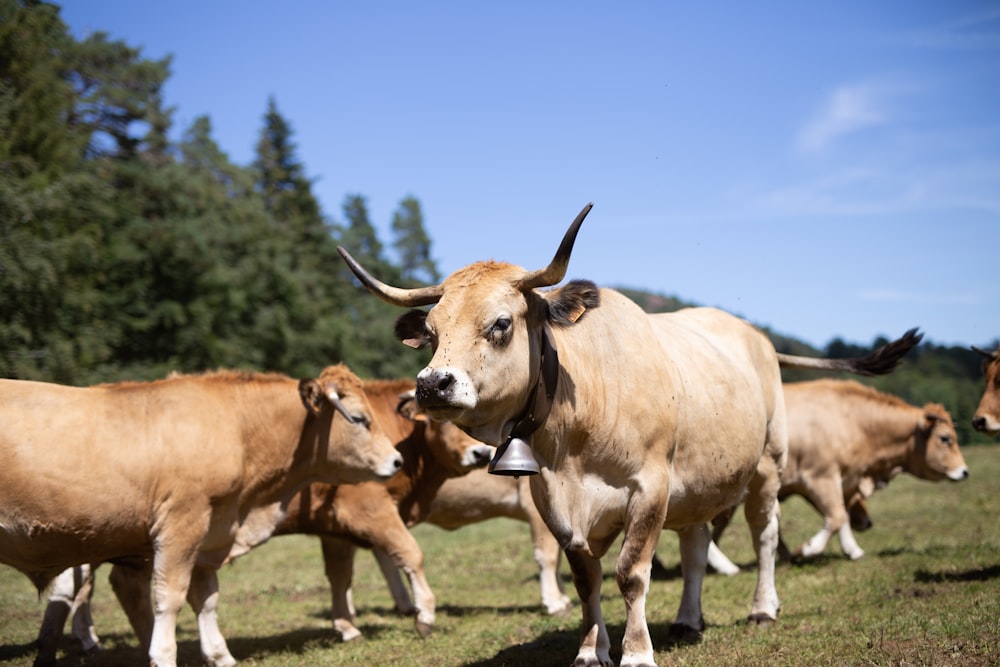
point(988, 355)
point(397, 296)
point(334, 398)
point(556, 270)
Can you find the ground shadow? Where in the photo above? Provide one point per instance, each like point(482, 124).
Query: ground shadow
point(978, 574)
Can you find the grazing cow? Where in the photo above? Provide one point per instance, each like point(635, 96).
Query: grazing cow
point(367, 513)
point(841, 433)
point(182, 462)
point(629, 414)
point(987, 418)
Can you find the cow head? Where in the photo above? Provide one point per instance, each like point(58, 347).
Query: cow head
point(452, 448)
point(356, 448)
point(987, 417)
point(936, 452)
point(486, 332)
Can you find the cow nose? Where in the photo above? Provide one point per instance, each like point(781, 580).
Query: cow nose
point(979, 423)
point(433, 386)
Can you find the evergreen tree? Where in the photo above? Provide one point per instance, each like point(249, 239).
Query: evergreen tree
point(413, 244)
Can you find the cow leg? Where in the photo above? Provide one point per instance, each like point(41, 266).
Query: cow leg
point(826, 494)
point(62, 595)
point(338, 559)
point(694, 541)
point(547, 554)
point(761, 509)
point(400, 595)
point(595, 646)
point(132, 587)
point(203, 596)
point(83, 622)
point(398, 542)
point(643, 523)
point(848, 543)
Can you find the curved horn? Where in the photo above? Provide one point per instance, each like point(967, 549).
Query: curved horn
point(556, 270)
point(397, 296)
point(988, 355)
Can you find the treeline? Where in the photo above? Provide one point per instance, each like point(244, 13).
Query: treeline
point(125, 255)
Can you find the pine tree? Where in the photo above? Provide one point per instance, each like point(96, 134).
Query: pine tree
point(413, 244)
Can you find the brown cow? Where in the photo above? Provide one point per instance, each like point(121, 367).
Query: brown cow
point(367, 513)
point(841, 432)
point(181, 463)
point(626, 410)
point(987, 418)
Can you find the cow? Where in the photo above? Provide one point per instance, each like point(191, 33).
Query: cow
point(987, 417)
point(180, 464)
point(841, 433)
point(635, 421)
point(370, 513)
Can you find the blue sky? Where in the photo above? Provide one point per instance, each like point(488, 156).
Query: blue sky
point(825, 169)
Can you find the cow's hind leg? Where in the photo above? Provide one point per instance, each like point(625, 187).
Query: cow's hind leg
point(338, 559)
point(203, 596)
point(132, 586)
point(761, 510)
point(690, 623)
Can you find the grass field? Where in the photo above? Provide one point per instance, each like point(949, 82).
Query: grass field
point(926, 593)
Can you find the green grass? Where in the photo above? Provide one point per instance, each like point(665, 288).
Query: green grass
point(926, 593)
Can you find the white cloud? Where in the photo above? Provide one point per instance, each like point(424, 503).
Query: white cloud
point(972, 32)
point(847, 109)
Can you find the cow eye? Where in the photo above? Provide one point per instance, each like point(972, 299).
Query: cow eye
point(500, 329)
point(946, 439)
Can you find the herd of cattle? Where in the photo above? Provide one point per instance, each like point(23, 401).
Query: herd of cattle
point(637, 422)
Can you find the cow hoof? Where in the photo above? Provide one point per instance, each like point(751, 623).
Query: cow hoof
point(762, 620)
point(424, 629)
point(680, 633)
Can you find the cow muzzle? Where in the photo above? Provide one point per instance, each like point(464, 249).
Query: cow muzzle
point(444, 392)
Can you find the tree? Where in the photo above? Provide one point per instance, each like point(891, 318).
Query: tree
point(413, 244)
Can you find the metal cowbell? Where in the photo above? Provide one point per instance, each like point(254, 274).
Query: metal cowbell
point(514, 458)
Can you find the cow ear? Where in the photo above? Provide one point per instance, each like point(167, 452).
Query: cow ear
point(407, 407)
point(411, 329)
point(933, 413)
point(567, 304)
point(312, 395)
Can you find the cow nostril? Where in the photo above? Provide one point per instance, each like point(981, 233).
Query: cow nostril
point(397, 463)
point(979, 423)
point(445, 381)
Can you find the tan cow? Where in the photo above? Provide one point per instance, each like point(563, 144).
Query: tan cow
point(370, 513)
point(637, 421)
point(841, 432)
point(987, 418)
point(180, 464)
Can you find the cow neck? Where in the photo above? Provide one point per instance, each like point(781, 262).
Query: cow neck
point(540, 401)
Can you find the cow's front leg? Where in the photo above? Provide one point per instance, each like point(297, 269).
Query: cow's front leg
point(690, 622)
point(338, 559)
point(827, 496)
point(62, 598)
point(595, 647)
point(547, 554)
point(848, 543)
point(395, 539)
point(400, 596)
point(203, 596)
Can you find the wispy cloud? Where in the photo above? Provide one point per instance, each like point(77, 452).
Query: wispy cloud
point(846, 110)
point(979, 31)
